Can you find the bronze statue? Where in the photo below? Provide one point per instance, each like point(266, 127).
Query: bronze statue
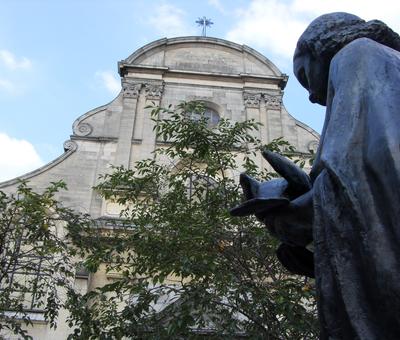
point(351, 212)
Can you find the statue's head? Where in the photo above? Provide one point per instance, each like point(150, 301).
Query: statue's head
point(323, 38)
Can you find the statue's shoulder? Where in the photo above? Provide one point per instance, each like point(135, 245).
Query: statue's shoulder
point(364, 49)
point(362, 56)
point(358, 48)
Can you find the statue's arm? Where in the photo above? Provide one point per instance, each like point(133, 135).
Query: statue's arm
point(293, 224)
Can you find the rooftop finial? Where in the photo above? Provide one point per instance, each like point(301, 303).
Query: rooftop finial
point(204, 22)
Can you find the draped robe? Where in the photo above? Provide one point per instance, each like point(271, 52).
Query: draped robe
point(356, 184)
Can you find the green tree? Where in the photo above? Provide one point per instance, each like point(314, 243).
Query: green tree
point(187, 268)
point(36, 253)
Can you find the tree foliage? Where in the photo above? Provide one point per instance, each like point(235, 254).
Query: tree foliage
point(186, 268)
point(36, 254)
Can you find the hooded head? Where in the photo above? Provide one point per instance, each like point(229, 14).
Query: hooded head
point(323, 38)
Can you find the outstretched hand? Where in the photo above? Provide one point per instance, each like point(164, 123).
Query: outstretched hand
point(292, 224)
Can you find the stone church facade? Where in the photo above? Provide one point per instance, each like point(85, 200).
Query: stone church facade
point(233, 81)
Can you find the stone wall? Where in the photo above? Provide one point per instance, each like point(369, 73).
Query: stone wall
point(233, 80)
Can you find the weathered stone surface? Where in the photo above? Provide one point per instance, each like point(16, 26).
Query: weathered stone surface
point(234, 80)
point(218, 72)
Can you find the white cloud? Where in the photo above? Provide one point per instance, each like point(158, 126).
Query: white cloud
point(110, 82)
point(168, 20)
point(217, 5)
point(276, 25)
point(17, 157)
point(10, 61)
point(9, 64)
point(270, 24)
point(385, 10)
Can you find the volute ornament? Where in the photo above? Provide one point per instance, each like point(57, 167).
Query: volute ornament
point(70, 145)
point(84, 129)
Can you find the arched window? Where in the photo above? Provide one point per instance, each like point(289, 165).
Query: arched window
point(210, 114)
point(199, 182)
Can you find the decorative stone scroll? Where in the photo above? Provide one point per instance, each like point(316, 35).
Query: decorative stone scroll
point(70, 145)
point(131, 90)
point(84, 129)
point(312, 146)
point(153, 91)
point(252, 99)
point(272, 102)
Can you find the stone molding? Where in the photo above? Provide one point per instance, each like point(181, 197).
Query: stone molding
point(272, 102)
point(153, 91)
point(70, 145)
point(253, 100)
point(162, 44)
point(131, 90)
point(313, 146)
point(83, 129)
point(95, 138)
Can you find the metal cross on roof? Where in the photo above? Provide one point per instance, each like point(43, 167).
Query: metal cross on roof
point(205, 23)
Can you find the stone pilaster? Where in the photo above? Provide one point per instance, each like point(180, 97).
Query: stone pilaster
point(130, 93)
point(252, 102)
point(151, 96)
point(264, 131)
point(273, 105)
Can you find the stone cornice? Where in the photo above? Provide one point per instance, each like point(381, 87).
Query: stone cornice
point(102, 139)
point(94, 138)
point(280, 81)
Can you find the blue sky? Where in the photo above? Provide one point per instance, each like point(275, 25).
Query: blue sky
point(58, 59)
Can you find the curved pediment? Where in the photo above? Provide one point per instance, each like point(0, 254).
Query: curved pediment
point(201, 54)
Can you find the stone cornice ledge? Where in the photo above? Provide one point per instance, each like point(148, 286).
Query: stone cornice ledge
point(281, 81)
point(95, 138)
point(124, 68)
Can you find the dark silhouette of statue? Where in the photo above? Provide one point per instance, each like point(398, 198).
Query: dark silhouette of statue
point(349, 206)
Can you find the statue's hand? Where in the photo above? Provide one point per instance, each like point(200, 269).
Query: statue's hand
point(284, 205)
point(292, 224)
